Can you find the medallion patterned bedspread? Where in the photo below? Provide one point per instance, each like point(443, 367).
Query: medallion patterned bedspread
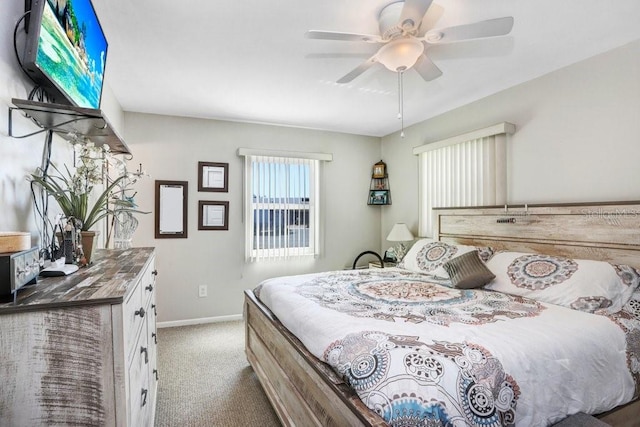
point(423, 354)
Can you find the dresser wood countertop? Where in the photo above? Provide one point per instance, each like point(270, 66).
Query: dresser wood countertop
point(107, 280)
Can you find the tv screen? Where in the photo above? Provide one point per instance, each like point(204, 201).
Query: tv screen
point(66, 51)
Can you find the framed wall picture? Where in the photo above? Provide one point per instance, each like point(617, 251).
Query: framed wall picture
point(378, 197)
point(379, 170)
point(213, 177)
point(171, 209)
point(213, 215)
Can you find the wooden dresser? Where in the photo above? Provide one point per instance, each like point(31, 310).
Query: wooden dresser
point(81, 349)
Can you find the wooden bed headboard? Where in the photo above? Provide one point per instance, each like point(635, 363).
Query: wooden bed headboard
point(602, 231)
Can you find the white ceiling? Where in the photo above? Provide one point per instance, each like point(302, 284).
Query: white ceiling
point(248, 60)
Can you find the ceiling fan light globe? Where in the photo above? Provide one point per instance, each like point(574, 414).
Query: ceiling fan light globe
point(400, 54)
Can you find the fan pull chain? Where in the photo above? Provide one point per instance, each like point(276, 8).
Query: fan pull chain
point(399, 97)
point(401, 101)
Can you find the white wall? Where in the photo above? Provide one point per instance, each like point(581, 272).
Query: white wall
point(20, 157)
point(577, 137)
point(170, 148)
point(577, 140)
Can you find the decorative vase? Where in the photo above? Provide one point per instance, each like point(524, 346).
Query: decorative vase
point(87, 238)
point(126, 224)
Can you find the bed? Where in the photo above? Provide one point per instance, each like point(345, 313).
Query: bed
point(319, 383)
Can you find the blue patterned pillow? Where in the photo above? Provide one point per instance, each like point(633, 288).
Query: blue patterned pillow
point(585, 285)
point(428, 256)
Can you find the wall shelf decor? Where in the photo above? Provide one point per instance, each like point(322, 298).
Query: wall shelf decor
point(70, 122)
point(379, 191)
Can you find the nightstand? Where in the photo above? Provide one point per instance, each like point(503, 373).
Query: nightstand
point(386, 265)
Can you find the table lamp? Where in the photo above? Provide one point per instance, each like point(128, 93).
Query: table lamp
point(400, 233)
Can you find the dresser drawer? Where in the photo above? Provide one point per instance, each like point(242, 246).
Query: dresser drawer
point(148, 284)
point(140, 396)
point(134, 319)
point(152, 334)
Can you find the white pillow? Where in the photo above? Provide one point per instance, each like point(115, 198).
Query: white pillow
point(428, 256)
point(583, 285)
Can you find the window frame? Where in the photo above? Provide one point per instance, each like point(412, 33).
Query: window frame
point(314, 207)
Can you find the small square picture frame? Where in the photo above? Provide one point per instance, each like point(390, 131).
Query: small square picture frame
point(378, 197)
point(213, 177)
point(213, 215)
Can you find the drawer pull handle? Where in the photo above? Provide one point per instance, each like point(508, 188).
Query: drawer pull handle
point(144, 396)
point(149, 288)
point(154, 272)
point(155, 313)
point(146, 354)
point(140, 312)
point(155, 337)
point(155, 372)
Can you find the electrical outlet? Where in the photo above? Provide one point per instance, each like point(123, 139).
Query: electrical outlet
point(202, 291)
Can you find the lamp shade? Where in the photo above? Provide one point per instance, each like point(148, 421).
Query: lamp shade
point(400, 233)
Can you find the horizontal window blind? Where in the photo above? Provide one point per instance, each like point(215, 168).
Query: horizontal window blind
point(281, 207)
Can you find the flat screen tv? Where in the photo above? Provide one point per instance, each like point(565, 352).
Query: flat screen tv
point(66, 51)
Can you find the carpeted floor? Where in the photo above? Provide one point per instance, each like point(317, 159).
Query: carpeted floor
point(205, 379)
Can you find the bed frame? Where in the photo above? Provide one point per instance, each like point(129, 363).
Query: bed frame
point(306, 392)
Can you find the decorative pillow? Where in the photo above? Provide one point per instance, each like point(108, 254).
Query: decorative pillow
point(631, 310)
point(583, 285)
point(428, 256)
point(468, 271)
point(485, 252)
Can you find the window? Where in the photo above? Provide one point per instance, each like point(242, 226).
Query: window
point(281, 206)
point(466, 170)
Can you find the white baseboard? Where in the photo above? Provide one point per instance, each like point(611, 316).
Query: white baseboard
point(188, 322)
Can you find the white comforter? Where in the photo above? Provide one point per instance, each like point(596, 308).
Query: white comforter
point(423, 354)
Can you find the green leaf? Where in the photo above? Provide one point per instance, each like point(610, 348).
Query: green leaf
point(61, 187)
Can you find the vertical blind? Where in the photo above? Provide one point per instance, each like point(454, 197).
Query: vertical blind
point(466, 173)
point(281, 207)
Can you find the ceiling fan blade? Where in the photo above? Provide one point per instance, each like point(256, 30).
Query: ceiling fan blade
point(358, 70)
point(349, 37)
point(433, 15)
point(426, 68)
point(412, 13)
point(489, 28)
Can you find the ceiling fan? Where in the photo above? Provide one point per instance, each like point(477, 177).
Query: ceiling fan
point(404, 41)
